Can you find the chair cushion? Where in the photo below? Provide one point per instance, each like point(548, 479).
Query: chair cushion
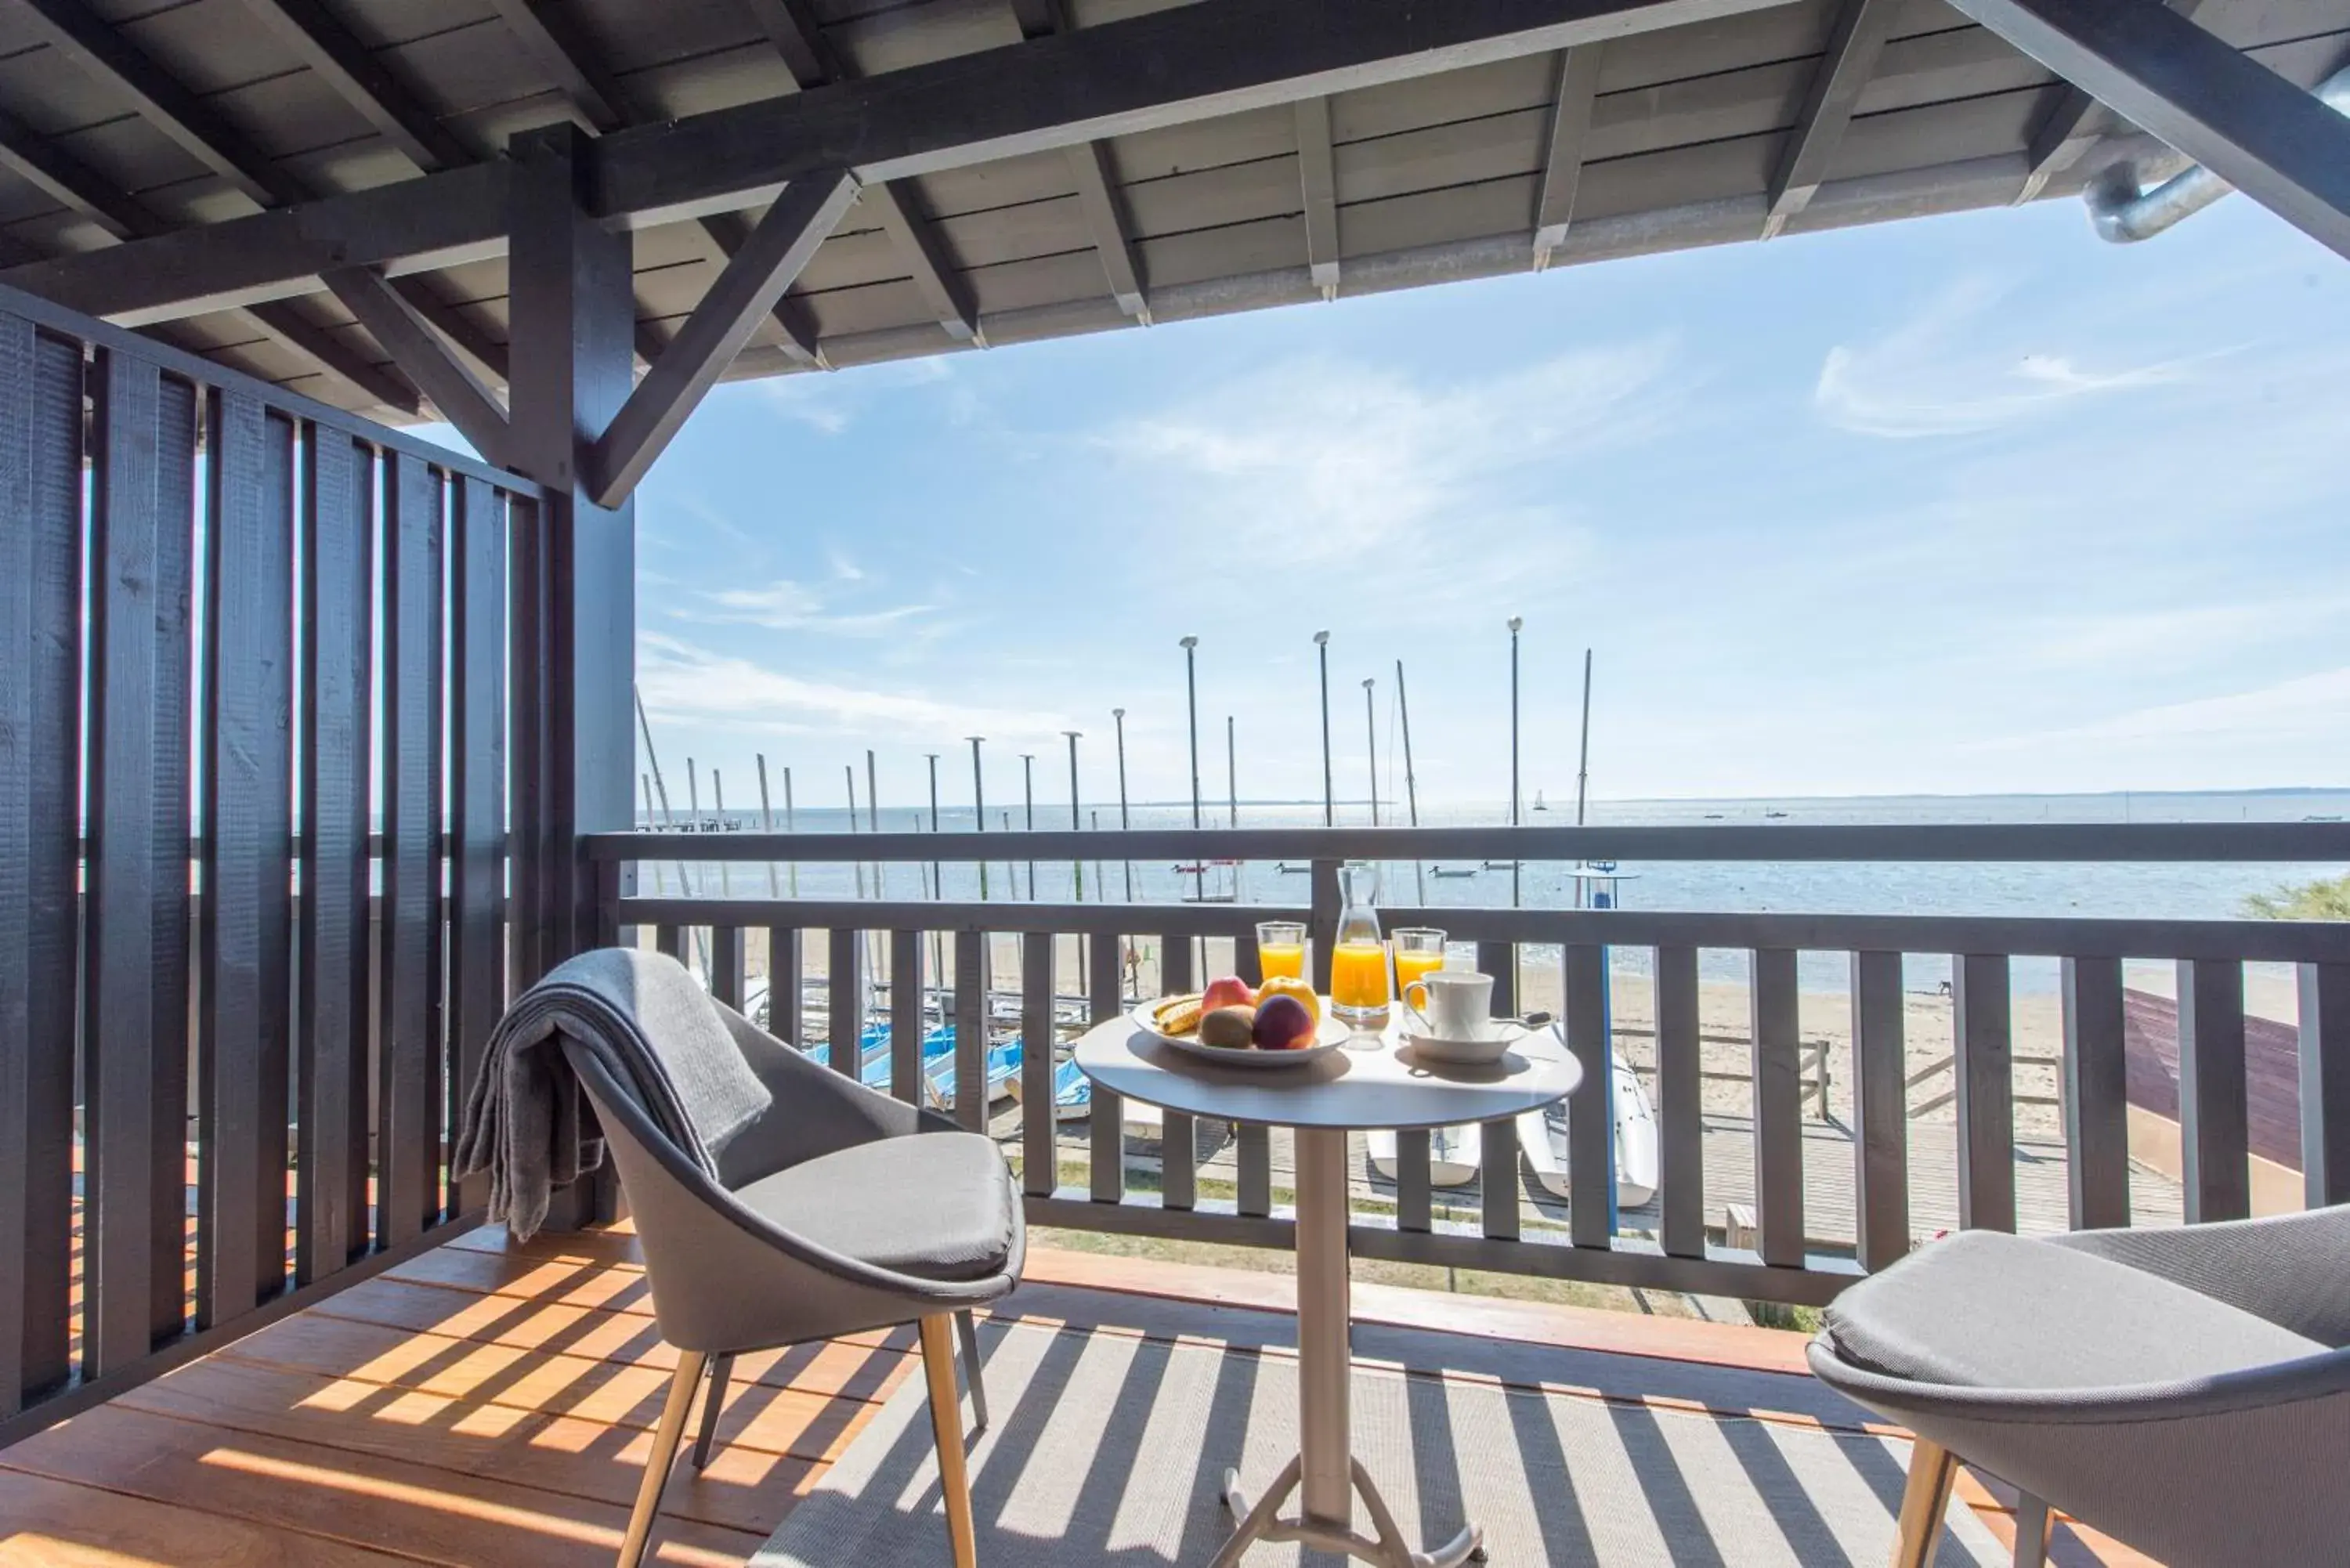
point(934, 1205)
point(1987, 1310)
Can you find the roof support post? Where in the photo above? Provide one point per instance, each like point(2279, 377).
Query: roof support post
point(2285, 148)
point(572, 562)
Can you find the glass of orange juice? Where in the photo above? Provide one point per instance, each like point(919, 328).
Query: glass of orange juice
point(1358, 981)
point(1417, 949)
point(1280, 950)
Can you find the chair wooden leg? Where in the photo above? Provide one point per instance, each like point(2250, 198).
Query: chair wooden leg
point(946, 1426)
point(968, 1333)
point(720, 1367)
point(2032, 1528)
point(679, 1406)
point(1932, 1470)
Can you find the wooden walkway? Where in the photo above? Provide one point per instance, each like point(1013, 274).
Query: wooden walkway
point(489, 1404)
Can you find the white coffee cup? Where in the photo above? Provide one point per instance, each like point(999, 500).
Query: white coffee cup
point(1451, 1003)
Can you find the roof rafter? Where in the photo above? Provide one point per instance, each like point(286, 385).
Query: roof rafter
point(812, 61)
point(726, 234)
point(360, 79)
point(1570, 126)
point(1861, 28)
point(2283, 147)
point(1165, 67)
point(550, 41)
point(1096, 182)
point(744, 293)
point(164, 102)
point(1318, 176)
point(2072, 125)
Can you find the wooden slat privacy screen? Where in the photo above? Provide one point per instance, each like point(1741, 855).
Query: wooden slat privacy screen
point(240, 632)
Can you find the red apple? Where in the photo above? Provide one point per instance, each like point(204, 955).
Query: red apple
point(1229, 992)
point(1283, 1024)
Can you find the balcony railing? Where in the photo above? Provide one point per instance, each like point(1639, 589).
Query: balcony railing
point(1684, 1243)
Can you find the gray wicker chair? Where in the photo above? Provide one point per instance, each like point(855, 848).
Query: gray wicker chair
point(828, 1217)
point(2185, 1390)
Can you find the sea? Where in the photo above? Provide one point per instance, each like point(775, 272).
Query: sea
point(2142, 891)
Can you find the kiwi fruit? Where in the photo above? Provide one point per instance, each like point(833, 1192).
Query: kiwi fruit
point(1229, 1028)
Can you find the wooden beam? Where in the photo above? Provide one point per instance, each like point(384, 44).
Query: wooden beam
point(71, 29)
point(425, 357)
point(1166, 67)
point(812, 61)
point(487, 356)
point(2074, 124)
point(744, 293)
point(71, 183)
point(2283, 147)
point(1037, 18)
point(552, 45)
point(1861, 28)
point(1570, 126)
point(360, 79)
point(935, 273)
point(1319, 177)
point(1097, 195)
point(721, 237)
point(283, 323)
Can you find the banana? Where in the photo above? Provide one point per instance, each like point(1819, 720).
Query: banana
point(1177, 1014)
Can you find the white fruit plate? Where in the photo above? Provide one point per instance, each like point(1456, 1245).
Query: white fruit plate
point(1327, 1037)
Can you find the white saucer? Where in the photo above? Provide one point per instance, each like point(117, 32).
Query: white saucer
point(1501, 1033)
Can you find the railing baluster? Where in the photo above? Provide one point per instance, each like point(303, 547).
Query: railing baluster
point(1322, 920)
point(477, 793)
point(1680, 1105)
point(908, 1025)
point(1590, 1139)
point(785, 972)
point(1881, 1104)
point(1415, 1188)
point(1178, 1148)
point(2097, 1099)
point(1980, 1010)
point(243, 1025)
point(338, 641)
point(972, 980)
point(2213, 1118)
point(1497, 1179)
point(669, 940)
point(844, 1001)
point(1778, 1109)
point(40, 753)
point(1106, 1125)
point(136, 1007)
point(408, 1124)
point(726, 965)
point(2326, 1083)
point(1039, 1143)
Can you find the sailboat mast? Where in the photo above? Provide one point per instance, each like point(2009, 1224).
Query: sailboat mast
point(1410, 782)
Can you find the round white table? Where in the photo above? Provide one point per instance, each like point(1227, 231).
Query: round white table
point(1346, 1091)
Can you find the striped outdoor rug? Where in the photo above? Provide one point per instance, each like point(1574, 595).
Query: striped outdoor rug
point(1110, 1448)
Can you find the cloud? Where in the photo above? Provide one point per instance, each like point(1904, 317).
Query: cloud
point(788, 606)
point(1948, 372)
point(683, 682)
point(2302, 708)
point(1349, 468)
point(2175, 635)
point(829, 403)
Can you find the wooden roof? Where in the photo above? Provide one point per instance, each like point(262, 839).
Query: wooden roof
point(129, 118)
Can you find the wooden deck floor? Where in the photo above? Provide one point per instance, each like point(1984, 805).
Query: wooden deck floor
point(487, 1404)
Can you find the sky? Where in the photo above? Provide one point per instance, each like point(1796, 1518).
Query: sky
point(1968, 505)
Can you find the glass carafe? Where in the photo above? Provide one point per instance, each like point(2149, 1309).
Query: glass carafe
point(1358, 958)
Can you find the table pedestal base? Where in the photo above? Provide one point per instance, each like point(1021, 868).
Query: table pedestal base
point(1325, 1474)
point(1262, 1522)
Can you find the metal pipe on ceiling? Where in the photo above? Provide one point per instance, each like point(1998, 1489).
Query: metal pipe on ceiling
point(2122, 213)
